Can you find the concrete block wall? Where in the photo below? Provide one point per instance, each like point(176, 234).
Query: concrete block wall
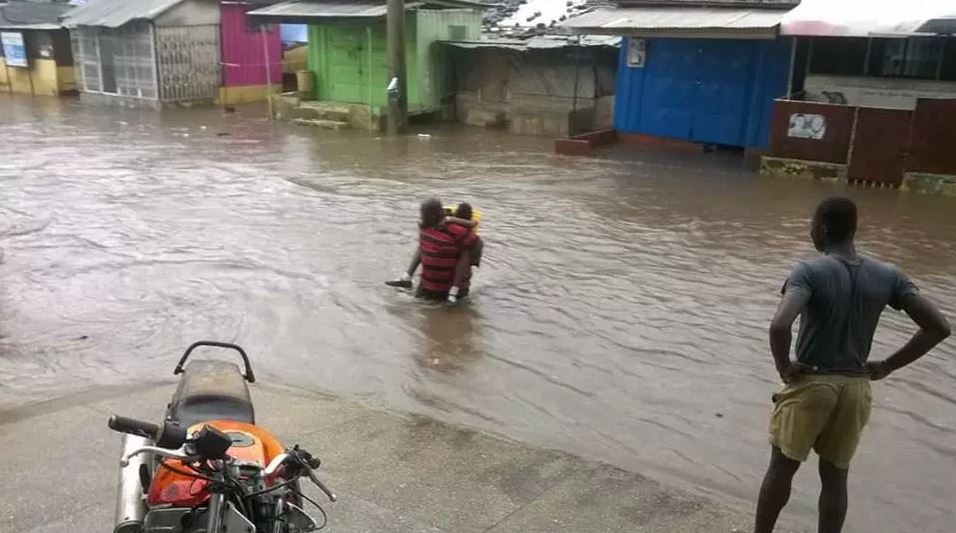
point(531, 114)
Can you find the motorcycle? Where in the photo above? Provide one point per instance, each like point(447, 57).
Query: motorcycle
point(208, 468)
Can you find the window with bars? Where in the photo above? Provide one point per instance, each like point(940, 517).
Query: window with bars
point(86, 57)
point(133, 60)
point(916, 57)
point(929, 58)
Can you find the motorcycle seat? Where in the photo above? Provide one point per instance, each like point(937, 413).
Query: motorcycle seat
point(211, 390)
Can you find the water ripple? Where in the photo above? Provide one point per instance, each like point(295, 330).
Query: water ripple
point(620, 311)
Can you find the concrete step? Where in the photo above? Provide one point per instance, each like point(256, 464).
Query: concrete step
point(327, 114)
point(327, 111)
point(334, 125)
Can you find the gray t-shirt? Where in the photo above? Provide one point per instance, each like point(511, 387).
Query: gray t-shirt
point(847, 297)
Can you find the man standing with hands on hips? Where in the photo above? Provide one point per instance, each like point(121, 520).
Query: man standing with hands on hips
point(825, 402)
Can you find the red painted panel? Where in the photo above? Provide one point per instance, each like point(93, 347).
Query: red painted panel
point(832, 148)
point(879, 146)
point(933, 147)
point(243, 53)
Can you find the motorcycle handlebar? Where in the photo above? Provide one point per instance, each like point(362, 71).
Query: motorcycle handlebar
point(306, 462)
point(134, 427)
point(318, 483)
point(170, 435)
point(162, 452)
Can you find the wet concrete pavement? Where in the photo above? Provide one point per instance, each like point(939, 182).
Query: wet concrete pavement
point(620, 313)
point(392, 472)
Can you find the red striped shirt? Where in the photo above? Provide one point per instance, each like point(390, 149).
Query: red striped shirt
point(441, 247)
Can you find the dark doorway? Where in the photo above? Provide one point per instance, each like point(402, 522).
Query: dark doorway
point(107, 63)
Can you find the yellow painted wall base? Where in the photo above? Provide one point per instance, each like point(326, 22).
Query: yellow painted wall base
point(245, 94)
point(44, 74)
point(43, 78)
point(66, 79)
point(20, 80)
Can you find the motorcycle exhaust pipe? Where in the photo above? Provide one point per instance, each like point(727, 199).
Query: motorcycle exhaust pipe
point(130, 499)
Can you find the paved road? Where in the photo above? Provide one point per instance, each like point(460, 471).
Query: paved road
point(393, 472)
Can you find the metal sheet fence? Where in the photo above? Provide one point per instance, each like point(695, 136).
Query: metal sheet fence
point(188, 60)
point(933, 146)
point(879, 146)
point(833, 147)
point(886, 143)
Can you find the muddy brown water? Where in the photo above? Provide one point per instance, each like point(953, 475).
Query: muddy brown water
point(620, 312)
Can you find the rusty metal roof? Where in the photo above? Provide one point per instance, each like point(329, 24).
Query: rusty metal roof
point(116, 13)
point(530, 13)
point(538, 42)
point(632, 20)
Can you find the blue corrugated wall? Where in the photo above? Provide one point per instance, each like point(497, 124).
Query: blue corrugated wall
point(703, 90)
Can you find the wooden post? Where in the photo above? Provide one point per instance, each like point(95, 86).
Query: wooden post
point(398, 96)
point(265, 53)
point(572, 124)
point(368, 65)
point(29, 70)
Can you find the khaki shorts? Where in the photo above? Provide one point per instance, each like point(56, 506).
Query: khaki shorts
point(823, 413)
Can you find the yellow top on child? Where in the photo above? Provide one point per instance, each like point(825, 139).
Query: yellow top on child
point(464, 215)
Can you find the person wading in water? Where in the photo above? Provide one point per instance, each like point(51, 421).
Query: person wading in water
point(445, 254)
point(825, 402)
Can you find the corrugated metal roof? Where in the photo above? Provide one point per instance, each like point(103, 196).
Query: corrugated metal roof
point(505, 44)
point(533, 12)
point(32, 15)
point(302, 10)
point(520, 19)
point(115, 13)
point(305, 9)
point(623, 20)
point(541, 42)
point(38, 26)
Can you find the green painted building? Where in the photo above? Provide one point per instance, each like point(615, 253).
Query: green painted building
point(347, 48)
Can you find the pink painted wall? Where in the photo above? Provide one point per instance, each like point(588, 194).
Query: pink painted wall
point(242, 50)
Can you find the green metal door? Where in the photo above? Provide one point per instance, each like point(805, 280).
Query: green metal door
point(348, 64)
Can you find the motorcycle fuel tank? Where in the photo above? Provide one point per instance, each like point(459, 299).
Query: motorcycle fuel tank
point(250, 444)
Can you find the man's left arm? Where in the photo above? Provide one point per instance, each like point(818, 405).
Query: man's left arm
point(796, 293)
point(781, 334)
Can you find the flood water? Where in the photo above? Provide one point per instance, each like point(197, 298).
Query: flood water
point(620, 312)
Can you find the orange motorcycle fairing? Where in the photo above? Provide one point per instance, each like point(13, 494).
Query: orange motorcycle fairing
point(250, 444)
